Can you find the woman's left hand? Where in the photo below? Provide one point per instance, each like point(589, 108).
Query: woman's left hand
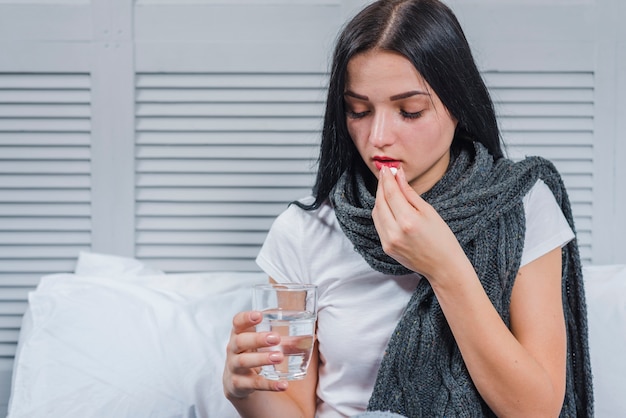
point(411, 231)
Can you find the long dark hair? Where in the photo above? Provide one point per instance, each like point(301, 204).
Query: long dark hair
point(428, 34)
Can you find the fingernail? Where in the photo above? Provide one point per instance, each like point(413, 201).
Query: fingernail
point(281, 385)
point(393, 170)
point(272, 339)
point(276, 357)
point(255, 316)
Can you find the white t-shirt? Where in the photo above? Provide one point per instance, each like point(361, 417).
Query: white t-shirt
point(360, 307)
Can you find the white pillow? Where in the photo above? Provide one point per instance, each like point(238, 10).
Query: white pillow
point(144, 346)
point(605, 288)
point(105, 265)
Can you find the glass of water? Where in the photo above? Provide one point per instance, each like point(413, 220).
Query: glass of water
point(289, 310)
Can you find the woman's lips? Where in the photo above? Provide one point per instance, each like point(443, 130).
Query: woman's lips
point(387, 162)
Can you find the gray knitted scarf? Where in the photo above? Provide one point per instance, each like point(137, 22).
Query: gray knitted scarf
point(422, 373)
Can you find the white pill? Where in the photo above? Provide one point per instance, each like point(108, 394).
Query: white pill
point(393, 170)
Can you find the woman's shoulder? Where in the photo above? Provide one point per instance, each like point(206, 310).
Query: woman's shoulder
point(546, 226)
point(538, 193)
point(296, 215)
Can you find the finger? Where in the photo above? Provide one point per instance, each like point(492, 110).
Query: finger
point(252, 341)
point(380, 201)
point(243, 362)
point(240, 385)
point(381, 214)
point(246, 321)
point(244, 385)
point(393, 195)
point(262, 383)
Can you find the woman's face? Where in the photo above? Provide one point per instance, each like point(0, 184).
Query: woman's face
point(395, 119)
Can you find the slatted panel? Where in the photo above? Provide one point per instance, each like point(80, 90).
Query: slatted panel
point(219, 156)
point(44, 185)
point(551, 114)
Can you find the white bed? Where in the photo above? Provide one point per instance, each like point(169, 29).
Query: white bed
point(119, 339)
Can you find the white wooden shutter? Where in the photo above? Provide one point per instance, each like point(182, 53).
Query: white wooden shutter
point(551, 114)
point(44, 173)
point(219, 156)
point(229, 108)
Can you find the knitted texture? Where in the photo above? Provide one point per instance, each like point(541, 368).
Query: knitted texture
point(422, 373)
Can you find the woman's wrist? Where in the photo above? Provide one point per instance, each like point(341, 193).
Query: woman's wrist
point(452, 276)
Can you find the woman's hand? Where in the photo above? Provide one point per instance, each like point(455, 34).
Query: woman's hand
point(243, 361)
point(411, 231)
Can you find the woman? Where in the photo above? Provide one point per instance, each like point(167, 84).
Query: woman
point(452, 288)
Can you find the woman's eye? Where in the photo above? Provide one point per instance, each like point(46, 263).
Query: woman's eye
point(356, 115)
point(410, 115)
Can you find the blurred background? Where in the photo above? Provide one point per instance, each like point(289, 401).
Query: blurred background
point(175, 131)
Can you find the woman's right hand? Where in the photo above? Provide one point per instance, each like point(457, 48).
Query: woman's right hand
point(243, 360)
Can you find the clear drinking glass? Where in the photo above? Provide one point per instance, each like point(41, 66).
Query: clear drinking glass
point(289, 310)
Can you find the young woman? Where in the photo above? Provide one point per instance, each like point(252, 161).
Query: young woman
point(449, 277)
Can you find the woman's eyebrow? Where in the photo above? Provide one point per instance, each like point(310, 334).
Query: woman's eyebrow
point(392, 98)
point(356, 96)
point(408, 94)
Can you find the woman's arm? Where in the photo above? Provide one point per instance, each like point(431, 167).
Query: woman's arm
point(518, 372)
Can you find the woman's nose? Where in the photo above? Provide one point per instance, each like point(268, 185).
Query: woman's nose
point(380, 132)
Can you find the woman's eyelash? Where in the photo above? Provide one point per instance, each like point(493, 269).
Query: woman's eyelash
point(410, 115)
point(355, 115)
point(358, 115)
